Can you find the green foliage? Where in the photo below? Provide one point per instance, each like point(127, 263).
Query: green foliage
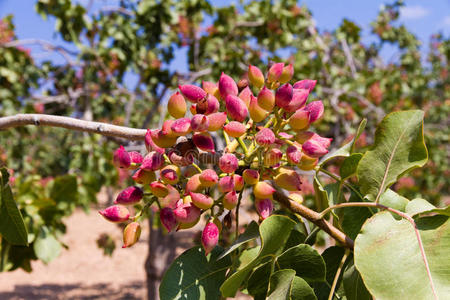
point(195, 276)
point(398, 148)
point(12, 227)
point(394, 268)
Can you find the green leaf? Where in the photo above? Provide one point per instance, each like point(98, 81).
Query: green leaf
point(12, 227)
point(332, 257)
point(258, 282)
point(285, 285)
point(354, 286)
point(274, 232)
point(320, 194)
point(348, 148)
point(349, 165)
point(399, 147)
point(250, 233)
point(193, 275)
point(280, 285)
point(295, 238)
point(305, 261)
point(420, 206)
point(46, 246)
point(64, 189)
point(300, 289)
point(353, 219)
point(388, 257)
point(393, 200)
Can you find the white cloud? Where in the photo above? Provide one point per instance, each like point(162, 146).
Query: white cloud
point(413, 12)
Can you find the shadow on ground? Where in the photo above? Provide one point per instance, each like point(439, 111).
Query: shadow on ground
point(129, 291)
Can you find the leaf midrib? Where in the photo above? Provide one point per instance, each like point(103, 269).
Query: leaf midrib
point(383, 182)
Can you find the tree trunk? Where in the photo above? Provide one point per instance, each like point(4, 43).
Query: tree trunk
point(161, 252)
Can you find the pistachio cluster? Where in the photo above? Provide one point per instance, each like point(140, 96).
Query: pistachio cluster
point(185, 174)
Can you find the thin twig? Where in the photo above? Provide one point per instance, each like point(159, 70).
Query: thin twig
point(338, 272)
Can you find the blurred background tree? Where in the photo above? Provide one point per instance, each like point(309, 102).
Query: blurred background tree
point(115, 67)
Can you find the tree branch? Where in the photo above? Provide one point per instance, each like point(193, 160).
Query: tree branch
point(73, 124)
point(139, 134)
point(314, 217)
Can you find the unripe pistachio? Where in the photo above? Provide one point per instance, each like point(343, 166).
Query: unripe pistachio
point(234, 129)
point(204, 141)
point(294, 154)
point(210, 237)
point(170, 174)
point(297, 197)
point(238, 182)
point(130, 195)
point(211, 88)
point(303, 136)
point(207, 106)
point(166, 128)
point(257, 113)
point(144, 177)
point(136, 158)
point(308, 166)
point(315, 109)
point(199, 123)
point(255, 76)
point(236, 108)
point(275, 72)
point(264, 207)
point(287, 74)
point(272, 157)
point(230, 200)
point(186, 212)
point(305, 84)
point(168, 219)
point(193, 184)
point(208, 178)
point(288, 179)
point(188, 225)
point(263, 190)
point(266, 99)
point(150, 145)
point(181, 126)
point(314, 148)
point(131, 234)
point(115, 213)
point(283, 95)
point(299, 98)
point(201, 201)
point(152, 161)
point(159, 189)
point(192, 92)
point(176, 106)
point(246, 95)
point(325, 142)
point(265, 137)
point(121, 158)
point(227, 86)
point(216, 121)
point(162, 140)
point(228, 163)
point(226, 184)
point(179, 160)
point(250, 176)
point(299, 120)
point(171, 199)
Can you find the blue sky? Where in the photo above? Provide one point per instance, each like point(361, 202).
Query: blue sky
point(421, 17)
